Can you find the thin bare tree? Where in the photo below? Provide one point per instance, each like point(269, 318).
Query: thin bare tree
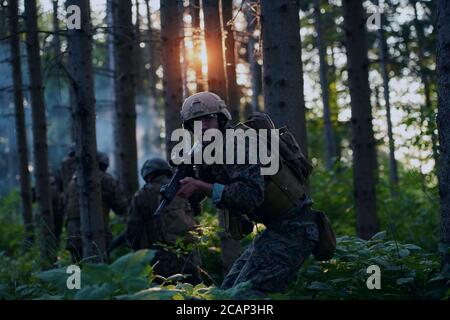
point(39, 128)
point(88, 182)
point(363, 141)
point(21, 133)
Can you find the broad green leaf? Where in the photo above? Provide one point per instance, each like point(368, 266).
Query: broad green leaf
point(403, 253)
point(316, 285)
point(96, 273)
point(135, 284)
point(403, 281)
point(133, 264)
point(56, 277)
point(155, 293)
point(379, 236)
point(176, 277)
point(97, 292)
point(410, 246)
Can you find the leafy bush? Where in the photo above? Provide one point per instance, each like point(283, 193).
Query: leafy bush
point(11, 228)
point(411, 216)
point(128, 274)
point(129, 277)
point(17, 276)
point(407, 271)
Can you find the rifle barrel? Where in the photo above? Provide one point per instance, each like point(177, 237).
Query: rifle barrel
point(161, 207)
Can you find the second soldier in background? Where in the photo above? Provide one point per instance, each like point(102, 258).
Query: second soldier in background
point(162, 233)
point(113, 198)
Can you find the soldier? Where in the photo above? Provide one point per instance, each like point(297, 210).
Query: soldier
point(113, 198)
point(272, 261)
point(57, 206)
point(163, 232)
point(67, 169)
point(58, 184)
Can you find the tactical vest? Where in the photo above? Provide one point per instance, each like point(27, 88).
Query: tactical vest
point(177, 218)
point(284, 190)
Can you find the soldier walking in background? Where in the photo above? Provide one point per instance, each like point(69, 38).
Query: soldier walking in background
point(113, 198)
point(144, 230)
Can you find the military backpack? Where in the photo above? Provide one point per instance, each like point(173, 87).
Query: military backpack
point(284, 190)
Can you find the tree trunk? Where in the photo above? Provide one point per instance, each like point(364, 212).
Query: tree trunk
point(197, 34)
point(443, 121)
point(151, 52)
point(364, 154)
point(110, 38)
point(384, 60)
point(255, 68)
point(334, 106)
point(91, 217)
point(172, 79)
point(184, 52)
point(126, 148)
point(39, 128)
point(138, 63)
point(3, 25)
point(56, 38)
point(230, 60)
point(428, 112)
point(328, 127)
point(282, 67)
point(21, 133)
point(217, 81)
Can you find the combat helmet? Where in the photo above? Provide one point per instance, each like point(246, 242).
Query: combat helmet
point(203, 104)
point(71, 150)
point(155, 165)
point(103, 159)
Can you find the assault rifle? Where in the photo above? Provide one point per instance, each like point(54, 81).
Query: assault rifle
point(169, 191)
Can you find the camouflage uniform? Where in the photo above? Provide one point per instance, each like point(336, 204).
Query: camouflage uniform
point(57, 206)
point(146, 231)
point(113, 198)
point(273, 259)
point(68, 168)
point(59, 185)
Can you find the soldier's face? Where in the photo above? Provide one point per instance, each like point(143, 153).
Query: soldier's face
point(209, 122)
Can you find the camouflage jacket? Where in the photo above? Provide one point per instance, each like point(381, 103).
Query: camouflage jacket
point(113, 198)
point(243, 185)
point(143, 229)
point(65, 173)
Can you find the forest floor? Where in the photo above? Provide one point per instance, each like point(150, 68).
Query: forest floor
point(407, 255)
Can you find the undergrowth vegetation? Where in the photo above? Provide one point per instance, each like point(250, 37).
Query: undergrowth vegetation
point(407, 253)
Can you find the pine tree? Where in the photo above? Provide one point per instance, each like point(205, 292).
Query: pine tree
point(443, 121)
point(88, 183)
point(282, 67)
point(363, 141)
point(21, 134)
point(230, 59)
point(39, 128)
point(172, 77)
point(217, 80)
point(125, 117)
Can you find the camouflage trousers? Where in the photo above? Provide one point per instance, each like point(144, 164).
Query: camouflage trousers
point(273, 259)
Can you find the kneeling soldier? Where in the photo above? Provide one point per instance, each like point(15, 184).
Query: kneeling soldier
point(272, 261)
